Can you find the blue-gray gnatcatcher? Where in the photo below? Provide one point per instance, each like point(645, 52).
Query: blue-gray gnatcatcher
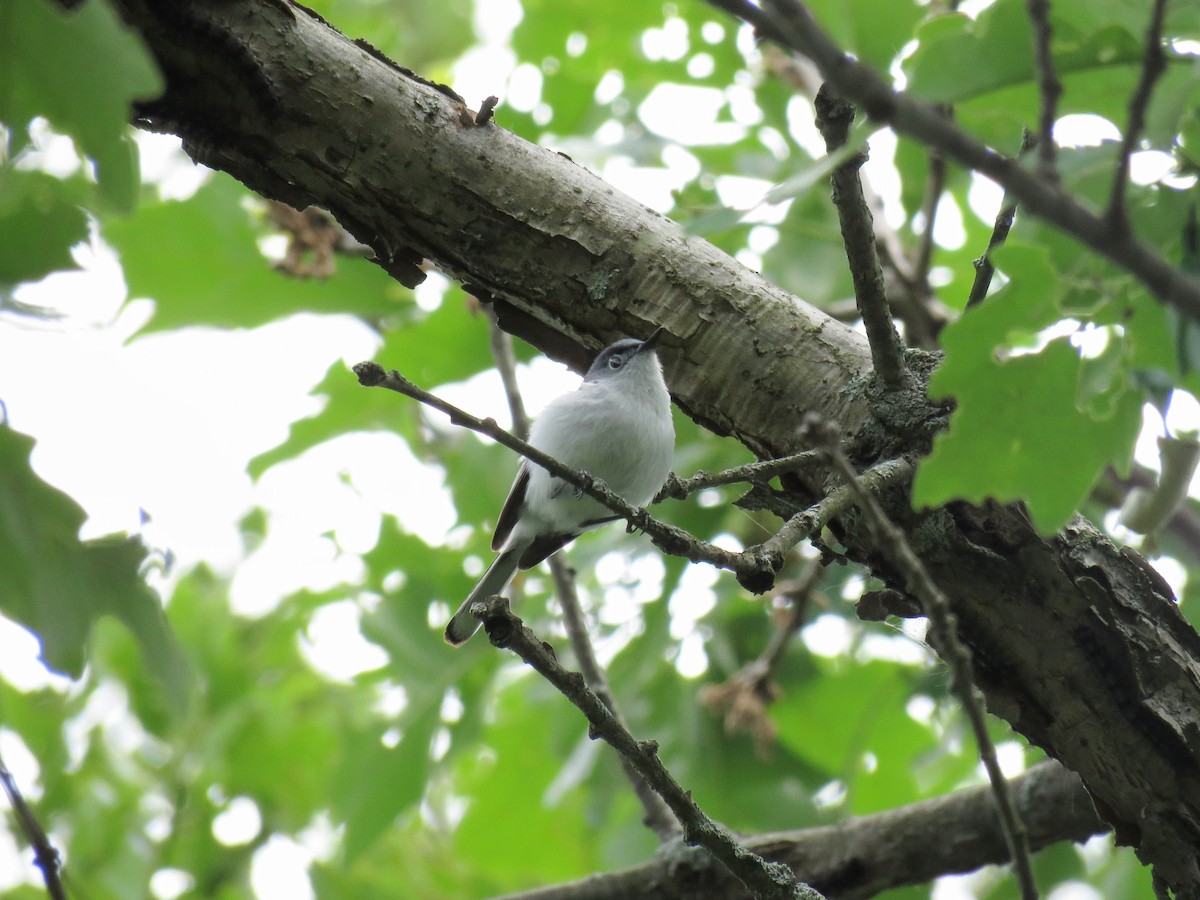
point(616, 427)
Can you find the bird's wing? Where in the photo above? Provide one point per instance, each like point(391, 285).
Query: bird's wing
point(511, 512)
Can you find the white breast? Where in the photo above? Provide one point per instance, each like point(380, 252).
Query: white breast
point(623, 437)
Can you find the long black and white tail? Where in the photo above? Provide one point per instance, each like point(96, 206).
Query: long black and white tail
point(494, 580)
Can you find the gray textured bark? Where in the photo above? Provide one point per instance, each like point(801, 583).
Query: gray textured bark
point(867, 855)
point(1077, 643)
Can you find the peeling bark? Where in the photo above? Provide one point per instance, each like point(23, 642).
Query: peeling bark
point(1078, 643)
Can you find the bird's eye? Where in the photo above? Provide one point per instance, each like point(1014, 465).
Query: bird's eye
point(615, 362)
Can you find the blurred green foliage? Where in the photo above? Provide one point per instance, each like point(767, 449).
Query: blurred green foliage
point(447, 774)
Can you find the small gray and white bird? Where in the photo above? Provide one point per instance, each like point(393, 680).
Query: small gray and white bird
point(616, 427)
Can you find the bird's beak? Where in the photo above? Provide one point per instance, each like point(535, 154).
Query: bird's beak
point(651, 342)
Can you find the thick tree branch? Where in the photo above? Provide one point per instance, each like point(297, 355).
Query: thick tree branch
point(790, 23)
point(765, 881)
point(867, 855)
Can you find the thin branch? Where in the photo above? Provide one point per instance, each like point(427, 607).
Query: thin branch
point(865, 856)
point(756, 472)
point(44, 853)
point(791, 24)
point(893, 544)
point(1049, 85)
point(821, 513)
point(657, 817)
point(755, 567)
point(767, 881)
point(984, 267)
point(799, 594)
point(834, 118)
point(744, 697)
point(754, 571)
point(1154, 63)
point(911, 299)
point(1183, 526)
point(501, 346)
point(935, 184)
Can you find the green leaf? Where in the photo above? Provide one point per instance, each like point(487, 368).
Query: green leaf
point(81, 69)
point(874, 32)
point(1103, 378)
point(199, 260)
point(862, 711)
point(431, 349)
point(534, 731)
point(40, 221)
point(819, 171)
point(376, 783)
point(1019, 431)
point(960, 59)
point(1018, 434)
point(58, 586)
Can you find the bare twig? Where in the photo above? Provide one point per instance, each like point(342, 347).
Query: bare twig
point(893, 543)
point(744, 697)
point(832, 505)
point(755, 567)
point(984, 267)
point(769, 881)
point(909, 297)
point(834, 118)
point(798, 594)
point(1049, 85)
point(791, 23)
point(44, 854)
point(1154, 63)
point(500, 343)
point(756, 472)
point(657, 817)
point(935, 184)
point(753, 571)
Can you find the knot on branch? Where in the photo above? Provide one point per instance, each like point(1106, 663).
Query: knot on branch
point(370, 374)
point(818, 432)
point(875, 606)
point(498, 620)
point(757, 568)
point(648, 748)
point(672, 488)
point(834, 118)
point(672, 541)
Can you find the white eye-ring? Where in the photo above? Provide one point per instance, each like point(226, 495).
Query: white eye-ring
point(615, 362)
